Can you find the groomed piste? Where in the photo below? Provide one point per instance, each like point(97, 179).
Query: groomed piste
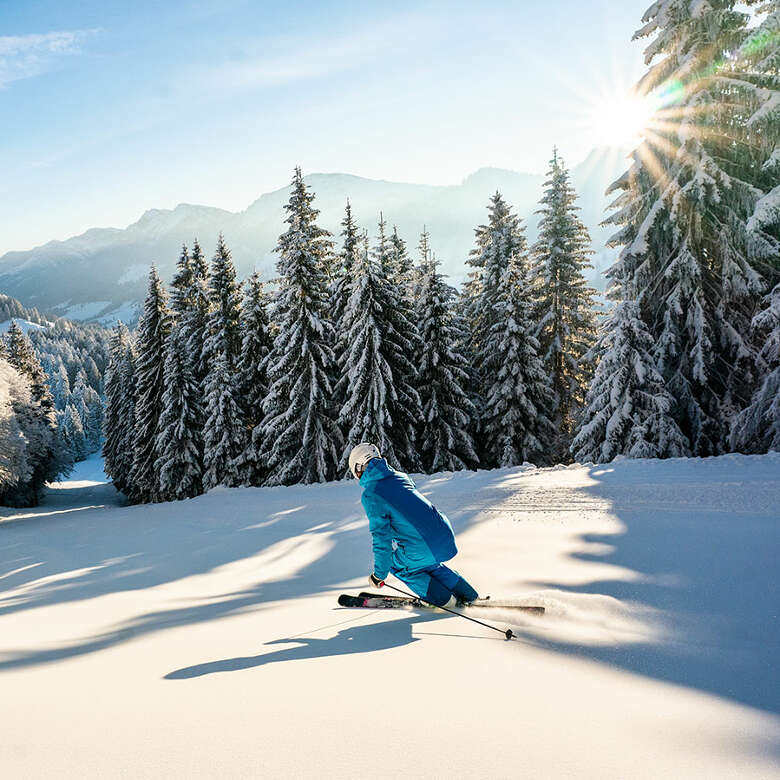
point(202, 638)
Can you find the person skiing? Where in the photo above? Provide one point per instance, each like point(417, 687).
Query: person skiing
point(411, 537)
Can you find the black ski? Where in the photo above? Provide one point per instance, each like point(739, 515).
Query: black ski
point(373, 601)
point(484, 602)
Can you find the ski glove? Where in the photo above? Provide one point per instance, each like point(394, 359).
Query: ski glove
point(374, 581)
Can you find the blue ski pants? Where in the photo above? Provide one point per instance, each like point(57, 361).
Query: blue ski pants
point(436, 583)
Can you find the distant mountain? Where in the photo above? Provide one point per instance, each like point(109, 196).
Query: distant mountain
point(101, 274)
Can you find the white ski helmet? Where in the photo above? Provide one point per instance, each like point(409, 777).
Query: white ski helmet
point(360, 455)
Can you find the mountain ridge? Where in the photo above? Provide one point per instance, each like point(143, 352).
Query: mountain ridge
point(74, 276)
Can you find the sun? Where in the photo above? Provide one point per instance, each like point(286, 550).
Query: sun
point(619, 120)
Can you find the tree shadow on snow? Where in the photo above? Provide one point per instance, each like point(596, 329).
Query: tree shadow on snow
point(369, 638)
point(62, 552)
point(706, 554)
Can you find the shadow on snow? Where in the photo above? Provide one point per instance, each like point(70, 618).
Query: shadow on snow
point(706, 553)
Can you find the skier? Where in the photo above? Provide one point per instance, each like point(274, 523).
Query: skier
point(411, 537)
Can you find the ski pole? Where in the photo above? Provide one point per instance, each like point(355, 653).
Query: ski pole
point(508, 633)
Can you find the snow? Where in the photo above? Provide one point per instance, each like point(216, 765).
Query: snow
point(201, 639)
point(25, 325)
point(127, 312)
point(85, 311)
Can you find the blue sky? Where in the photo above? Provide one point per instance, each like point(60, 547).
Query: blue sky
point(109, 108)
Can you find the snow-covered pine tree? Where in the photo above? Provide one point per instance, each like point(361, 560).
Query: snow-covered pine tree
point(224, 429)
point(90, 409)
point(96, 410)
point(564, 303)
point(425, 257)
point(502, 347)
point(181, 287)
point(123, 475)
point(224, 435)
point(496, 242)
point(685, 204)
point(372, 347)
point(196, 323)
point(757, 428)
point(401, 267)
point(15, 466)
point(628, 410)
point(518, 402)
point(394, 266)
point(224, 331)
point(757, 64)
point(178, 440)
point(445, 444)
point(60, 385)
point(78, 400)
point(252, 377)
point(21, 355)
point(192, 308)
point(340, 285)
point(73, 434)
point(300, 437)
point(113, 422)
point(42, 455)
point(153, 330)
point(350, 249)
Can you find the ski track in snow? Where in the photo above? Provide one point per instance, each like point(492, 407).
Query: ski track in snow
point(202, 638)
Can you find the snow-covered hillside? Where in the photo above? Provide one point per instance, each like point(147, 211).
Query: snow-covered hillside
point(202, 638)
point(25, 325)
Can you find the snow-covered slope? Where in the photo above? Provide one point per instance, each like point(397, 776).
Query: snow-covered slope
point(94, 275)
point(25, 325)
point(202, 638)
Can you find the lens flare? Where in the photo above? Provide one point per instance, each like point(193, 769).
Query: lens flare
point(620, 120)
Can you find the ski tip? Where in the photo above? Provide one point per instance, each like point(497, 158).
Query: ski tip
point(346, 600)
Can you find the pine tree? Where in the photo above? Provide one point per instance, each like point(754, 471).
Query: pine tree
point(15, 467)
point(350, 249)
point(564, 305)
point(300, 437)
point(401, 268)
point(90, 410)
point(425, 255)
point(252, 377)
point(373, 400)
point(223, 436)
point(43, 456)
point(502, 347)
point(224, 429)
point(123, 475)
point(340, 285)
point(178, 440)
point(224, 332)
point(394, 267)
point(695, 267)
point(181, 299)
point(113, 423)
point(22, 357)
point(516, 420)
point(196, 323)
point(628, 409)
point(757, 428)
point(60, 386)
point(153, 330)
point(194, 309)
point(73, 434)
point(445, 444)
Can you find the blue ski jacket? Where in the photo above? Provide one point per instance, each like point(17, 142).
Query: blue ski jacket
point(409, 533)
